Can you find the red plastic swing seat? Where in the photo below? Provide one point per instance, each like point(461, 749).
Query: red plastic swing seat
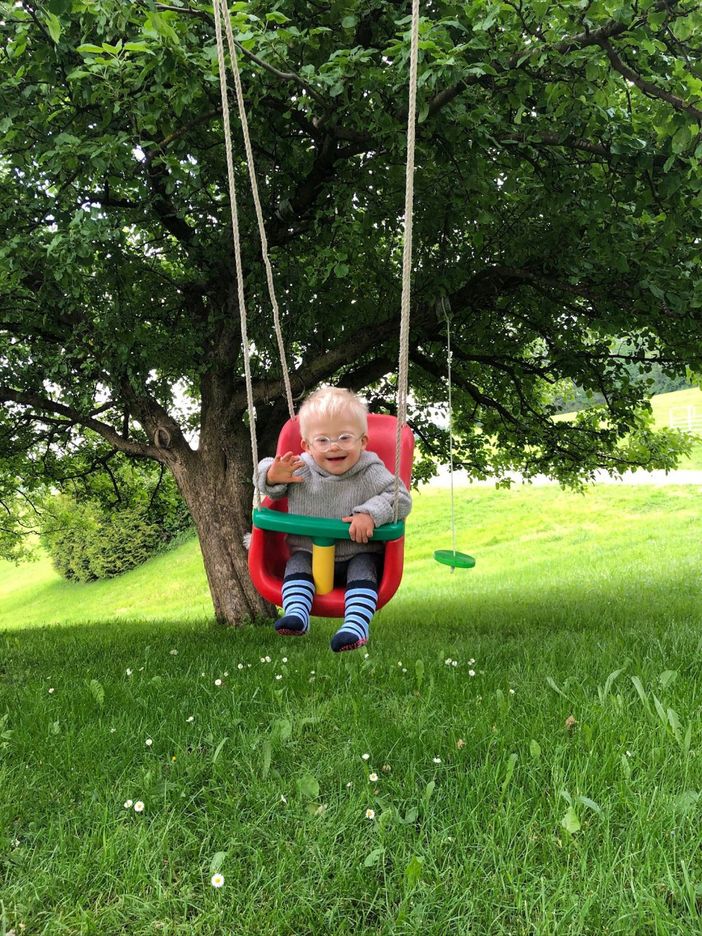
point(269, 552)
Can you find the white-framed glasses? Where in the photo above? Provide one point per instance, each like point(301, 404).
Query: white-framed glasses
point(345, 441)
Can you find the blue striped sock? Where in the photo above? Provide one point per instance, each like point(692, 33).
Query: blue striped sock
point(360, 603)
point(298, 594)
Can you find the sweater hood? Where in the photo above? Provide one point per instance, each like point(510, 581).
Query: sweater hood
point(365, 461)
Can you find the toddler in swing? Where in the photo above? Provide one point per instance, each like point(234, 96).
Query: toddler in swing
point(335, 476)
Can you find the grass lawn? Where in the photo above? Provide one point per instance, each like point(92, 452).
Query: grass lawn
point(533, 732)
point(682, 408)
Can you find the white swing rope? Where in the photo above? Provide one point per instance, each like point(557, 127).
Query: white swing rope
point(450, 426)
point(403, 368)
point(222, 13)
point(236, 242)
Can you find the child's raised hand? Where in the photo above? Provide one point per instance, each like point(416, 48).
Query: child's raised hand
point(281, 471)
point(362, 526)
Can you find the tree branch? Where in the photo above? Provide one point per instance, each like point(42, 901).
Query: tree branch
point(648, 87)
point(25, 398)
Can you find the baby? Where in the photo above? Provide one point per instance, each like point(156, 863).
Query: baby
point(335, 476)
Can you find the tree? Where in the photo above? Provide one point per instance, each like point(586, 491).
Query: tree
point(557, 206)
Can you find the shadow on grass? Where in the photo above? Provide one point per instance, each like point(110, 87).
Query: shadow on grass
point(603, 610)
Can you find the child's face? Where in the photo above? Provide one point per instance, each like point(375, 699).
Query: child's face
point(343, 453)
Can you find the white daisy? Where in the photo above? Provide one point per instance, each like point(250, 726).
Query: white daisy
point(370, 814)
point(365, 757)
point(138, 806)
point(148, 742)
point(437, 760)
point(128, 804)
point(373, 778)
point(217, 880)
point(190, 718)
point(218, 682)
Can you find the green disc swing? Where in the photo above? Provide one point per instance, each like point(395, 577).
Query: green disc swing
point(451, 557)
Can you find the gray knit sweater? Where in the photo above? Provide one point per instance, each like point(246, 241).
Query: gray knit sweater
point(368, 487)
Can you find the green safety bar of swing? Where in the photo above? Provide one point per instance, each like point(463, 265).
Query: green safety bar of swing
point(323, 530)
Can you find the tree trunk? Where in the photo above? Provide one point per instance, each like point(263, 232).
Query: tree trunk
point(215, 483)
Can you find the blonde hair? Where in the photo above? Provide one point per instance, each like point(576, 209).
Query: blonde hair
point(333, 402)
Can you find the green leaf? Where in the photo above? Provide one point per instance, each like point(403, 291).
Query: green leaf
point(413, 871)
point(667, 678)
point(685, 802)
point(681, 139)
point(218, 749)
point(419, 672)
point(308, 786)
point(535, 749)
point(349, 22)
point(277, 17)
point(88, 49)
point(674, 722)
point(552, 683)
point(97, 691)
point(372, 858)
point(428, 791)
point(682, 28)
point(281, 729)
point(590, 803)
point(570, 821)
point(626, 766)
point(54, 26)
point(217, 861)
point(662, 714)
point(641, 692)
point(509, 772)
point(267, 756)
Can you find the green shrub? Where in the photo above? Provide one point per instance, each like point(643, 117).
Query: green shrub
point(112, 524)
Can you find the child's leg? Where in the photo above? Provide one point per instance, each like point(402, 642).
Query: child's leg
point(360, 602)
point(298, 593)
